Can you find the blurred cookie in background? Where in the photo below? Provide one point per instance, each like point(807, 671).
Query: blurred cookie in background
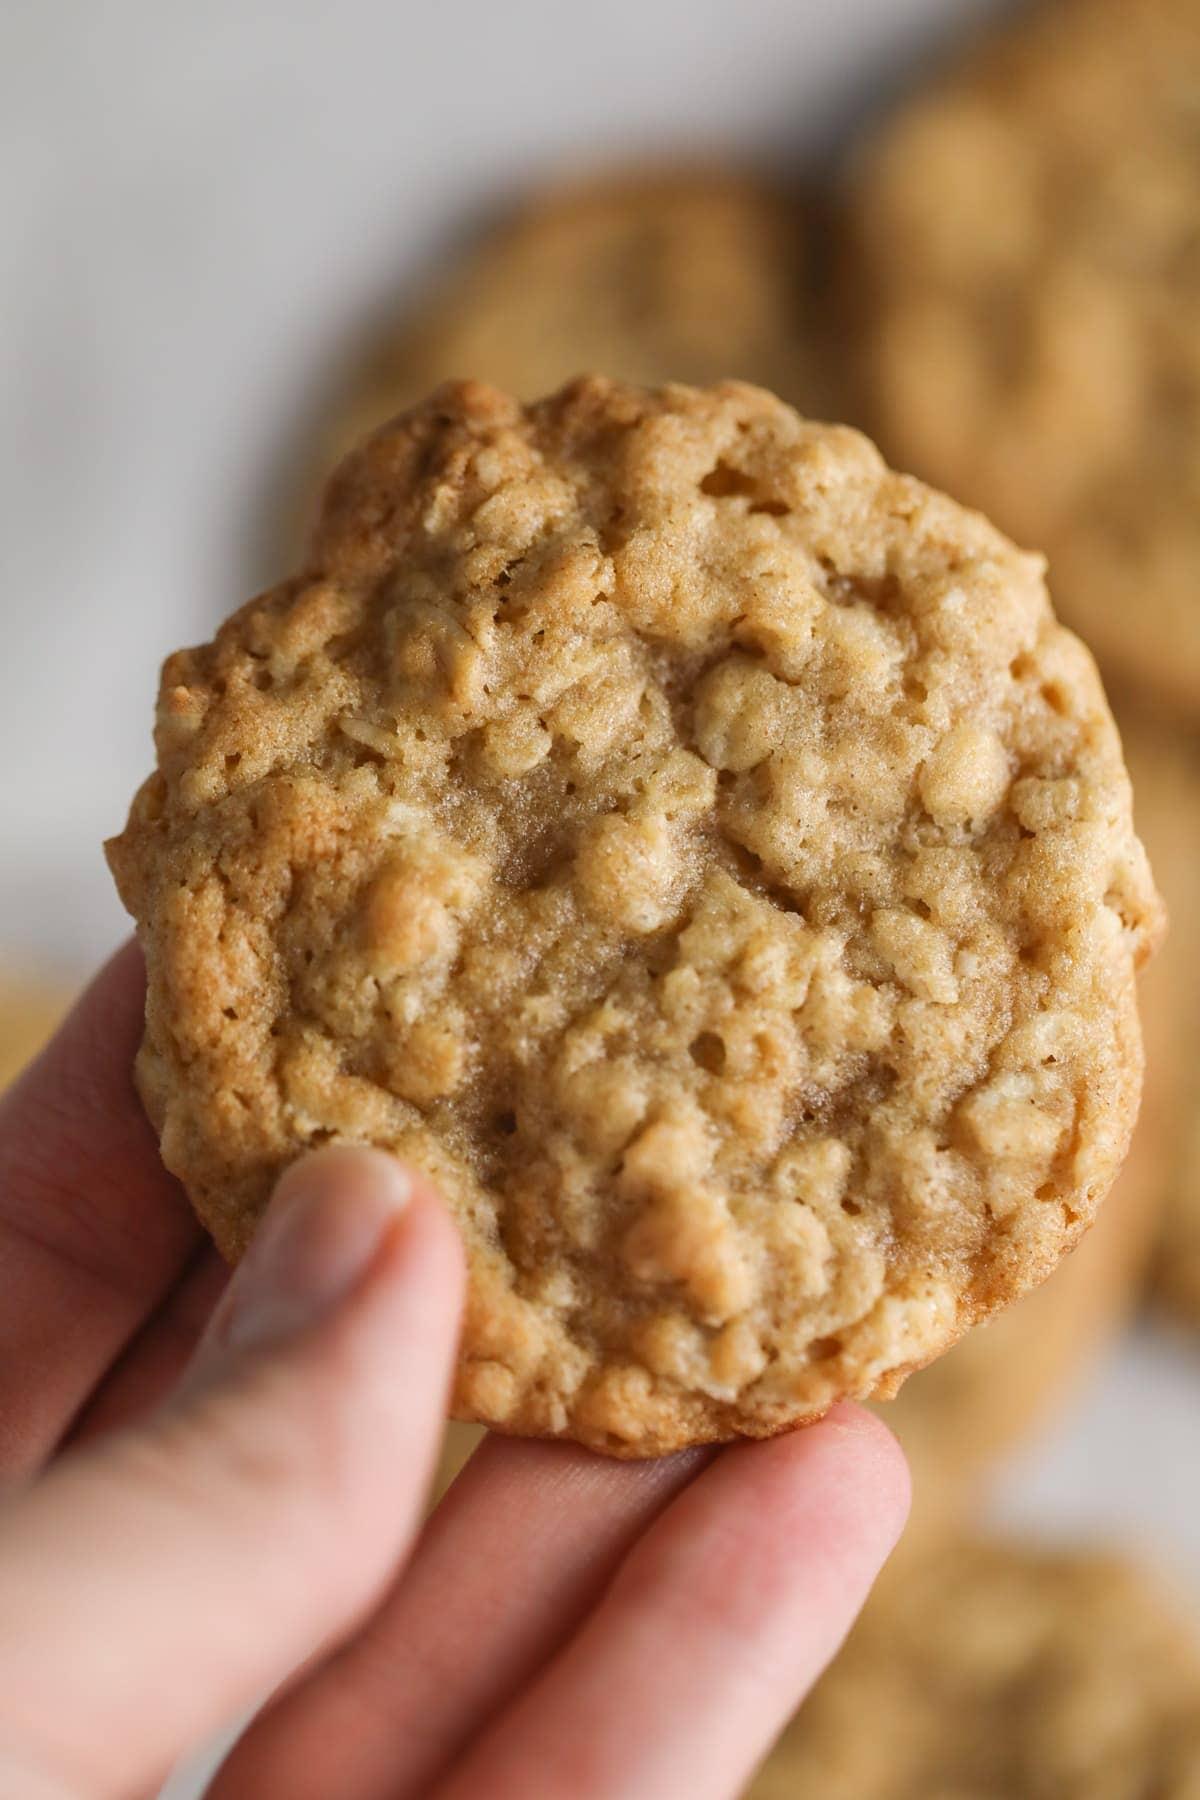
point(648, 275)
point(992, 1671)
point(959, 1417)
point(1176, 1271)
point(1165, 769)
point(29, 1013)
point(1025, 265)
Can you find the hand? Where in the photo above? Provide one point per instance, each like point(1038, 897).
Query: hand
point(213, 1483)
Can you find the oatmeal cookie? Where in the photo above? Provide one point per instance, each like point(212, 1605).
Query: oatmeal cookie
point(1026, 260)
point(654, 274)
point(996, 1670)
point(696, 846)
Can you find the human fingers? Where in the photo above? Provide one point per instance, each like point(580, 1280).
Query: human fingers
point(721, 1618)
point(258, 1517)
point(153, 1361)
point(93, 1231)
point(515, 1555)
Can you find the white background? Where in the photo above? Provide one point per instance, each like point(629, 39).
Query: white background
point(197, 202)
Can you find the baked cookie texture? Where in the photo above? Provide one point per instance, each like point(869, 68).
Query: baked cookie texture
point(959, 1417)
point(653, 274)
point(696, 846)
point(1025, 271)
point(994, 1671)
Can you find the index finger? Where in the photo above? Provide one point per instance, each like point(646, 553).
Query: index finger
point(93, 1231)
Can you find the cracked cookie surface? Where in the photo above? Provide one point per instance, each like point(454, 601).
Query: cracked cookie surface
point(696, 846)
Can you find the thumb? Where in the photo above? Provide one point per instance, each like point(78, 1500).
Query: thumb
point(155, 1585)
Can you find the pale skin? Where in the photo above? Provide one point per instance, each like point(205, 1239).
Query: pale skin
point(211, 1489)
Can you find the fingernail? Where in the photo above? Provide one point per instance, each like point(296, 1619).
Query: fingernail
point(329, 1216)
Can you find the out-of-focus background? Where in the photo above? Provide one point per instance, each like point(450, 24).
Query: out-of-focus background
point(232, 236)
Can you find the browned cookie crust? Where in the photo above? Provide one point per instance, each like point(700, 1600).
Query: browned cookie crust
point(993, 1672)
point(1027, 237)
point(696, 846)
